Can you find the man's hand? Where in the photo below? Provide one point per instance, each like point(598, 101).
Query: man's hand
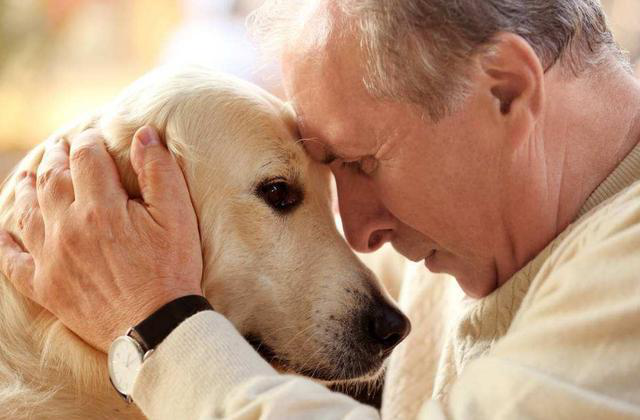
point(96, 259)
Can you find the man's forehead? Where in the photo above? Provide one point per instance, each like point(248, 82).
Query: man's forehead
point(317, 147)
point(337, 115)
point(337, 133)
point(307, 127)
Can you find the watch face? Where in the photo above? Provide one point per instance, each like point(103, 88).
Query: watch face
point(125, 359)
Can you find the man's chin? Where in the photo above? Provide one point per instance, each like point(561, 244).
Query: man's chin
point(433, 263)
point(442, 262)
point(475, 283)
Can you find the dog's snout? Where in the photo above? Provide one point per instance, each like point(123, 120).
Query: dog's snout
point(386, 326)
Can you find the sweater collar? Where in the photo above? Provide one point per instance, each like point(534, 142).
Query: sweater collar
point(625, 174)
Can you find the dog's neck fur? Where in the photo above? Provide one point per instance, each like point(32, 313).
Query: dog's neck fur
point(41, 349)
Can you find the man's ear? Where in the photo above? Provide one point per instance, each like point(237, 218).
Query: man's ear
point(514, 76)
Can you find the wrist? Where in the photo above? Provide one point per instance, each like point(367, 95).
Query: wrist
point(207, 368)
point(152, 330)
point(128, 352)
point(145, 306)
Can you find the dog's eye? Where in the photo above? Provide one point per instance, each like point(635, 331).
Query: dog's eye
point(280, 196)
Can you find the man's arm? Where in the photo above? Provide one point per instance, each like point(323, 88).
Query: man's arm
point(206, 370)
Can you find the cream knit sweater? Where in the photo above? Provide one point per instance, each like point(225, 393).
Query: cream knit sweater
point(561, 339)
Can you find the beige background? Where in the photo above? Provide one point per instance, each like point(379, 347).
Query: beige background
point(60, 58)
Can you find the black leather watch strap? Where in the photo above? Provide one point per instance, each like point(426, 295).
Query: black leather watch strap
point(150, 332)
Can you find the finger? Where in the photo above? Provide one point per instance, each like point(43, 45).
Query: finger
point(27, 210)
point(54, 187)
point(162, 184)
point(95, 176)
point(16, 265)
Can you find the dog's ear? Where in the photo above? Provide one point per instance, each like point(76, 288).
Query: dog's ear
point(117, 136)
point(118, 126)
point(77, 126)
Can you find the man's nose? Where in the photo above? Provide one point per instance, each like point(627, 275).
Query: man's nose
point(366, 222)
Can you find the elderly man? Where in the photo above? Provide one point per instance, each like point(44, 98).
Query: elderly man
point(498, 141)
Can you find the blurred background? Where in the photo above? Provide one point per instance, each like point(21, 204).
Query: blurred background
point(60, 58)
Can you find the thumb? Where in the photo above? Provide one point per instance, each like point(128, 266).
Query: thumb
point(16, 265)
point(162, 184)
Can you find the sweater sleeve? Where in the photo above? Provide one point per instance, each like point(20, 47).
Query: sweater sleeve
point(206, 370)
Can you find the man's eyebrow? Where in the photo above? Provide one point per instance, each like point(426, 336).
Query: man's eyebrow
point(329, 156)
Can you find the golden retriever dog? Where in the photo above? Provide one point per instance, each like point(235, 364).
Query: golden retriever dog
point(274, 263)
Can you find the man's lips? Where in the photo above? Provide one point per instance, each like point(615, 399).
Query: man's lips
point(420, 257)
point(415, 254)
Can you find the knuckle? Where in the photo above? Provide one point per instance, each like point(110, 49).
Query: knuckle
point(16, 270)
point(21, 270)
point(158, 166)
point(84, 152)
point(94, 214)
point(50, 177)
point(8, 268)
point(161, 177)
point(102, 217)
point(25, 219)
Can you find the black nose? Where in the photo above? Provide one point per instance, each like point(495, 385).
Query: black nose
point(386, 326)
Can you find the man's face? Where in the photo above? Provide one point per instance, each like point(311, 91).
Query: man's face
point(432, 190)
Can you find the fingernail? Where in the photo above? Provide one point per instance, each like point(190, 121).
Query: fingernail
point(148, 136)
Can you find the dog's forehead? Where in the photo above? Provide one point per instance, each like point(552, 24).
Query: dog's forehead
point(279, 155)
point(275, 136)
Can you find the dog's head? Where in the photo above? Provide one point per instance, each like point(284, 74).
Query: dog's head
point(274, 263)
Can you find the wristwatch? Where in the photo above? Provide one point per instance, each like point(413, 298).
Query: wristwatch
point(128, 352)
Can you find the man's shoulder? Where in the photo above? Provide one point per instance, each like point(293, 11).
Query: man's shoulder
point(618, 214)
point(601, 248)
point(613, 221)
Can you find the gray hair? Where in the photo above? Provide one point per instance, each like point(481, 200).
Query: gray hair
point(419, 50)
